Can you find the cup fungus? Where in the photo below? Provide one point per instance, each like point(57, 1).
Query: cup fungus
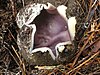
point(44, 28)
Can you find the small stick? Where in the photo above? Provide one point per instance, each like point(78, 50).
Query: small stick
point(97, 53)
point(13, 8)
point(20, 63)
point(81, 50)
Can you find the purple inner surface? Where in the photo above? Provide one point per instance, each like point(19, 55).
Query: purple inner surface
point(51, 29)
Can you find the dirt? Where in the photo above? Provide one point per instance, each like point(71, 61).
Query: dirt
point(8, 36)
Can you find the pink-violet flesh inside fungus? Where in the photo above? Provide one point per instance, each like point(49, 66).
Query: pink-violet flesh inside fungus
point(51, 29)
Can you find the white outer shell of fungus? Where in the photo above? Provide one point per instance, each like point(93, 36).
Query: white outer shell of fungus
point(29, 13)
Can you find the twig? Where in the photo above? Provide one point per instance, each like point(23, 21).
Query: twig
point(12, 36)
point(65, 2)
point(23, 2)
point(16, 57)
point(92, 43)
point(91, 12)
point(20, 63)
point(94, 3)
point(81, 50)
point(80, 5)
point(97, 53)
point(13, 8)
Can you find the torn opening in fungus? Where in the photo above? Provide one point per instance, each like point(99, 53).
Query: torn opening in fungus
point(49, 25)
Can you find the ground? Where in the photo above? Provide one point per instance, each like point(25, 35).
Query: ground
point(86, 59)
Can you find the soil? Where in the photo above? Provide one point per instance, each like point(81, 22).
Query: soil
point(87, 14)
